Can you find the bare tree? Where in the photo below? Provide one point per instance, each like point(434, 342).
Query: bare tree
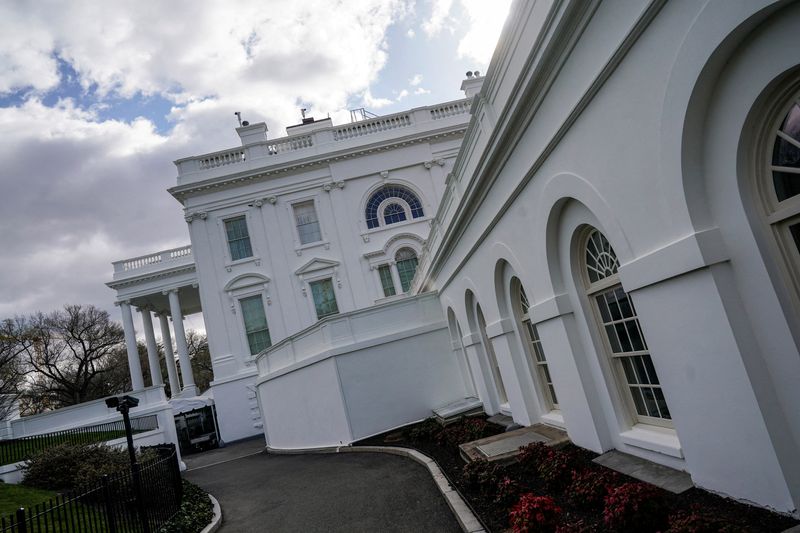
point(200, 359)
point(69, 353)
point(11, 368)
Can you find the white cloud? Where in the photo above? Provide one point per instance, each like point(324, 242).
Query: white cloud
point(79, 191)
point(371, 102)
point(439, 18)
point(402, 94)
point(485, 23)
point(420, 90)
point(411, 33)
point(416, 80)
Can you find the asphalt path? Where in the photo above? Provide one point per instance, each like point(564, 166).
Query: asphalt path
point(349, 492)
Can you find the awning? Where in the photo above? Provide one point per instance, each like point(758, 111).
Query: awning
point(184, 405)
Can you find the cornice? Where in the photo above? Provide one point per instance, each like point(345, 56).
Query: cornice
point(160, 274)
point(182, 191)
point(505, 136)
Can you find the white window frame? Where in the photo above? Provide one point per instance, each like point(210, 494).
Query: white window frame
point(537, 369)
point(298, 245)
point(591, 291)
point(221, 219)
point(334, 286)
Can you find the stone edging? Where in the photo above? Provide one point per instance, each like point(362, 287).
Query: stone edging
point(216, 521)
point(466, 519)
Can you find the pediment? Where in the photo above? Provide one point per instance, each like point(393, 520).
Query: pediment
point(316, 264)
point(246, 280)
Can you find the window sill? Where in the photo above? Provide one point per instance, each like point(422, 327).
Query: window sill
point(370, 231)
point(553, 418)
point(252, 259)
point(299, 249)
point(653, 438)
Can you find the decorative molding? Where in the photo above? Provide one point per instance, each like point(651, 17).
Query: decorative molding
point(246, 280)
point(181, 191)
point(385, 174)
point(191, 216)
point(314, 265)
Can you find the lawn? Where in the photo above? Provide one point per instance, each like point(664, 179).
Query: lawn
point(14, 451)
point(12, 497)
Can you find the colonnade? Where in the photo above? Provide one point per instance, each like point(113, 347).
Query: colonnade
point(137, 380)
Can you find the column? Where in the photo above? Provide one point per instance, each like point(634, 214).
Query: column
point(398, 287)
point(169, 356)
point(152, 349)
point(134, 365)
point(180, 343)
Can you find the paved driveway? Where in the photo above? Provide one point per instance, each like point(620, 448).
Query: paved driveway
point(349, 492)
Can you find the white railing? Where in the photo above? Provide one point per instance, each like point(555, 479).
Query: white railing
point(289, 144)
point(416, 118)
point(220, 159)
point(368, 127)
point(165, 256)
point(450, 109)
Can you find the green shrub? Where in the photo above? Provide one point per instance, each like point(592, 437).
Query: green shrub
point(195, 514)
point(67, 466)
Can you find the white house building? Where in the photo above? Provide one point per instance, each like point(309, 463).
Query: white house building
point(608, 242)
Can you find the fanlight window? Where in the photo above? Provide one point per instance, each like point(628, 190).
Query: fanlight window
point(624, 340)
point(394, 211)
point(783, 193)
point(786, 156)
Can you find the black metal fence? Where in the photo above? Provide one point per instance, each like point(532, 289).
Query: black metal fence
point(15, 450)
point(110, 506)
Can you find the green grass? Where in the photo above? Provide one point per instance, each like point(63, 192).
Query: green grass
point(15, 451)
point(12, 497)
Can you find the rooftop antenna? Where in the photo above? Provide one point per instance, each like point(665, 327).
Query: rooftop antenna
point(238, 117)
point(303, 112)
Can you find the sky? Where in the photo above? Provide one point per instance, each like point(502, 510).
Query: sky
point(98, 98)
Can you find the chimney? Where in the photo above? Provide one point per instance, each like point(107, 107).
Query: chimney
point(472, 84)
point(252, 133)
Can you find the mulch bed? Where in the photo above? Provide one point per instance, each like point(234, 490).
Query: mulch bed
point(492, 503)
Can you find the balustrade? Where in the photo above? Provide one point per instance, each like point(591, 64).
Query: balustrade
point(153, 259)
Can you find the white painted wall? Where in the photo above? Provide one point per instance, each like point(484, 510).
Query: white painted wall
point(358, 374)
point(656, 152)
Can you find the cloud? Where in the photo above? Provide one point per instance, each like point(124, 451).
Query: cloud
point(79, 189)
point(439, 19)
point(420, 90)
point(416, 80)
point(411, 33)
point(485, 23)
point(402, 94)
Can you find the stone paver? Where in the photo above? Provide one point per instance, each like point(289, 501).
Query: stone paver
point(643, 470)
point(350, 492)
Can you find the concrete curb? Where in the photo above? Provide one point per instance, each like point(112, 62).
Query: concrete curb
point(466, 519)
point(216, 521)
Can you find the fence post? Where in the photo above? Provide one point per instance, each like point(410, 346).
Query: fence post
point(22, 527)
point(111, 521)
point(137, 487)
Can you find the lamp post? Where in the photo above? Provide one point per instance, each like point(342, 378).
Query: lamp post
point(123, 404)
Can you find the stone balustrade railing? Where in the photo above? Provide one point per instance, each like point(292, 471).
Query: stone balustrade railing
point(368, 127)
point(183, 253)
point(326, 137)
point(450, 109)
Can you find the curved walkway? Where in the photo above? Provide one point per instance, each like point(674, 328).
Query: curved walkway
point(349, 492)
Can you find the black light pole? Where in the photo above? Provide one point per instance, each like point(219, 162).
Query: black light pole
point(123, 404)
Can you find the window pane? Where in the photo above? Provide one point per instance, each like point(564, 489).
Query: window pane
point(385, 273)
point(238, 238)
point(391, 191)
point(638, 402)
point(786, 184)
point(662, 404)
point(794, 229)
point(394, 213)
point(255, 323)
point(406, 267)
point(791, 124)
point(785, 154)
point(324, 298)
point(305, 216)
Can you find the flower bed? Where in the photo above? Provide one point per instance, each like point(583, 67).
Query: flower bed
point(562, 490)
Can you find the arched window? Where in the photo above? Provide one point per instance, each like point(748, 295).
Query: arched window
point(622, 334)
point(782, 191)
point(537, 362)
point(392, 203)
point(406, 260)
